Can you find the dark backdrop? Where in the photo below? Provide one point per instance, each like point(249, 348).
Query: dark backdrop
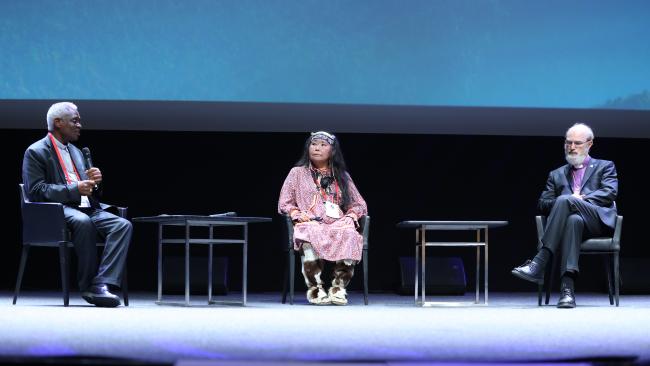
point(401, 176)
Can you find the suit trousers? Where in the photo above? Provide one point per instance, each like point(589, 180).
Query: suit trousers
point(570, 222)
point(87, 225)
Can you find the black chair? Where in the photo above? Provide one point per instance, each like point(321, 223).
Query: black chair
point(290, 270)
point(44, 226)
point(609, 247)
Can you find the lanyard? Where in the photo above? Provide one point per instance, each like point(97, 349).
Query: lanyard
point(61, 162)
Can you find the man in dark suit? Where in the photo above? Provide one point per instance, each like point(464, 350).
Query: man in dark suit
point(579, 201)
point(54, 171)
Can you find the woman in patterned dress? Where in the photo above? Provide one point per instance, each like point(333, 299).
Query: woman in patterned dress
point(325, 206)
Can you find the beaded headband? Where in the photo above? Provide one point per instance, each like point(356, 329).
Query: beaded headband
point(322, 135)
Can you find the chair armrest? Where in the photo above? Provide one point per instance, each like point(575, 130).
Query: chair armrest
point(540, 222)
point(43, 222)
point(364, 229)
point(122, 211)
point(288, 230)
point(616, 238)
point(119, 211)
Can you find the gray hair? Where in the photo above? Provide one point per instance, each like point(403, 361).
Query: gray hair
point(59, 110)
point(582, 126)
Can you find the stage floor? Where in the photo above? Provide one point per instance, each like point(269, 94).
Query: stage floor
point(391, 330)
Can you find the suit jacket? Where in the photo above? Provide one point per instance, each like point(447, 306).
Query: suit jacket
point(599, 185)
point(44, 178)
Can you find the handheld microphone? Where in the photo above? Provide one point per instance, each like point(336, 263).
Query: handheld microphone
point(225, 214)
point(88, 160)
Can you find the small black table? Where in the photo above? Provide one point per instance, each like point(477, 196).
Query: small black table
point(421, 228)
point(189, 221)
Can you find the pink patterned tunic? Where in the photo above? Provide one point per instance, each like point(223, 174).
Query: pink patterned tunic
point(332, 239)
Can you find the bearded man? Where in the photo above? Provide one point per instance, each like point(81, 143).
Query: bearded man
point(579, 202)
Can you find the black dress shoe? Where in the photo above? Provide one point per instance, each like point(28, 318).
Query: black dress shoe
point(530, 271)
point(99, 295)
point(567, 300)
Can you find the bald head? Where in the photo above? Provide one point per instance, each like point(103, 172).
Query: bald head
point(582, 130)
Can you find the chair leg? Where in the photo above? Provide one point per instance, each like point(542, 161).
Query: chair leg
point(65, 266)
point(540, 286)
point(285, 279)
point(21, 271)
point(551, 279)
point(365, 276)
point(617, 278)
point(608, 270)
point(292, 273)
point(125, 287)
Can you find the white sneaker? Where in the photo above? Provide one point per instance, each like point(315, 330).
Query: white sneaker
point(338, 297)
point(321, 297)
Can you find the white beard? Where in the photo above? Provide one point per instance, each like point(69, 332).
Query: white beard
point(575, 160)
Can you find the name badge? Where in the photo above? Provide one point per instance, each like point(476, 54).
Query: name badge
point(332, 210)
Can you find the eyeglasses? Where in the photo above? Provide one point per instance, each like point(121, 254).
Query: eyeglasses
point(576, 143)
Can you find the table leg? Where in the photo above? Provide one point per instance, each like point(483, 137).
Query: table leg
point(245, 263)
point(210, 267)
point(486, 265)
point(423, 264)
point(478, 265)
point(160, 261)
point(417, 266)
point(187, 264)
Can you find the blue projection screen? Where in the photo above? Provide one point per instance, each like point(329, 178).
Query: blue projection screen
point(456, 53)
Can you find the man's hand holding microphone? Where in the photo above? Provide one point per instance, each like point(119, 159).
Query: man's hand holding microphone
point(94, 175)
